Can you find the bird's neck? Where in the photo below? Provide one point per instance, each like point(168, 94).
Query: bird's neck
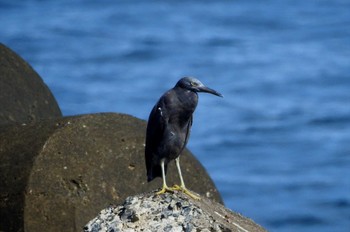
point(187, 98)
point(188, 102)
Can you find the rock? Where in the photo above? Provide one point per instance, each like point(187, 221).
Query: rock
point(56, 175)
point(169, 212)
point(24, 97)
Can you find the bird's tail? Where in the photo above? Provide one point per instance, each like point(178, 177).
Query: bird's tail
point(155, 171)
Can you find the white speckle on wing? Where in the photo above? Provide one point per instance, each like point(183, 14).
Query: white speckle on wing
point(160, 110)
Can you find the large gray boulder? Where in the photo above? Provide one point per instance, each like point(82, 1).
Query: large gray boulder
point(56, 175)
point(169, 212)
point(24, 97)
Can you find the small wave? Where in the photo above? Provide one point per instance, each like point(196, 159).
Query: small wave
point(298, 220)
point(330, 120)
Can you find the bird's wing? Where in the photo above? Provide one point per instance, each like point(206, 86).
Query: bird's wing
point(155, 130)
point(188, 131)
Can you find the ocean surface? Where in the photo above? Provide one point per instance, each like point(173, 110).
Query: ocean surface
point(277, 145)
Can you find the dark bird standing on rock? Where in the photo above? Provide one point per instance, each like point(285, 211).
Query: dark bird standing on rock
point(168, 129)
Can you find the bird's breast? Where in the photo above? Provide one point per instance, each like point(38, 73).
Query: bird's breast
point(175, 142)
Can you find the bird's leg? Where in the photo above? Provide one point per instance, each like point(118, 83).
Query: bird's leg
point(165, 188)
point(183, 187)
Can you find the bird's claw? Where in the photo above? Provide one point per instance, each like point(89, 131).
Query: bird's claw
point(176, 188)
point(164, 190)
point(186, 191)
point(190, 194)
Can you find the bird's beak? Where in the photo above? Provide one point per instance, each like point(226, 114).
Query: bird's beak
point(209, 90)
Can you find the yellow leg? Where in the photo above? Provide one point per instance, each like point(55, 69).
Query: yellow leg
point(183, 187)
point(165, 188)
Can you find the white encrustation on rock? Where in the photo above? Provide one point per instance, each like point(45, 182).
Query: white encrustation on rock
point(170, 212)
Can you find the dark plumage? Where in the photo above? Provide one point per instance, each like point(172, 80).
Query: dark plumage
point(169, 127)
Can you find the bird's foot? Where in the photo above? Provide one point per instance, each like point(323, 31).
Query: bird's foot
point(164, 190)
point(176, 188)
point(186, 191)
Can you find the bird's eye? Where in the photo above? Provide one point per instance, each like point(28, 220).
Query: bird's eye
point(194, 83)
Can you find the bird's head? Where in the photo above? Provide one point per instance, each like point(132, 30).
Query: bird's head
point(193, 84)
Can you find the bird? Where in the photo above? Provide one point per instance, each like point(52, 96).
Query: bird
point(168, 130)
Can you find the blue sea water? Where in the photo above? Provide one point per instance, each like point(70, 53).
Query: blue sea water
point(277, 145)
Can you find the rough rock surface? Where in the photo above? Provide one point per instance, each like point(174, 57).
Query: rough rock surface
point(169, 212)
point(24, 97)
point(56, 175)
